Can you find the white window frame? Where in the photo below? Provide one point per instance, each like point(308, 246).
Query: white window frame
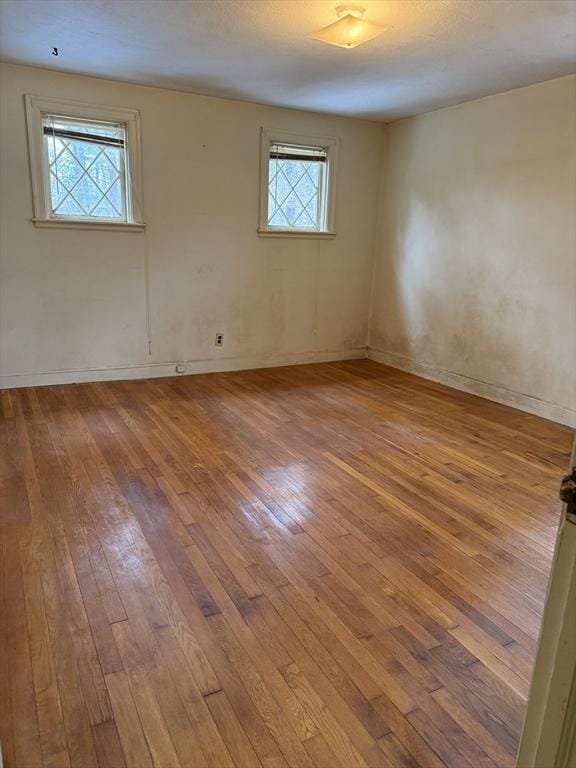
point(36, 108)
point(331, 145)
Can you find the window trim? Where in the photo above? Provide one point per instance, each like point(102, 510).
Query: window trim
point(36, 107)
point(331, 144)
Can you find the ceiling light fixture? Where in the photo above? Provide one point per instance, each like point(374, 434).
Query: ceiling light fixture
point(350, 30)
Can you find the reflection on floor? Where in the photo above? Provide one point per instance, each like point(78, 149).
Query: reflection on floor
point(327, 565)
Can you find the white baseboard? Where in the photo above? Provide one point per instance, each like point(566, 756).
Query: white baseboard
point(157, 370)
point(547, 410)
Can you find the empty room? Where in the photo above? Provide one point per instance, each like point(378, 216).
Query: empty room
point(287, 384)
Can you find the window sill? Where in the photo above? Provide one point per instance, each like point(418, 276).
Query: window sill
point(111, 226)
point(296, 234)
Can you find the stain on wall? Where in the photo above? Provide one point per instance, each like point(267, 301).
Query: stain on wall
point(476, 267)
point(77, 300)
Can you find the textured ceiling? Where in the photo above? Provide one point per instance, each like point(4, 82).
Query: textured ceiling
point(433, 53)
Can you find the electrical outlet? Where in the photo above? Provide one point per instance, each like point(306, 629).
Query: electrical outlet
point(180, 368)
point(219, 342)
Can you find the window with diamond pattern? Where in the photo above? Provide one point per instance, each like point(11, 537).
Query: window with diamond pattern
point(86, 163)
point(296, 188)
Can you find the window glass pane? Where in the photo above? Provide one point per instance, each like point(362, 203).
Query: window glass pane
point(57, 190)
point(294, 188)
point(115, 197)
point(84, 152)
point(86, 162)
point(69, 207)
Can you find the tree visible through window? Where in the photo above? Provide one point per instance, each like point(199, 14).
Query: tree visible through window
point(86, 163)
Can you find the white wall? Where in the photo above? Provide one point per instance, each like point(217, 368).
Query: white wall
point(475, 281)
point(73, 303)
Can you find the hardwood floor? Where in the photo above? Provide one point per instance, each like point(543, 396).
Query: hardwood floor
point(330, 565)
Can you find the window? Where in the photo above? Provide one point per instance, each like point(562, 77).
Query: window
point(297, 185)
point(85, 165)
point(86, 168)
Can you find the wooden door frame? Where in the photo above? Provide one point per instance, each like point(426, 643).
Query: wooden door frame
point(549, 733)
